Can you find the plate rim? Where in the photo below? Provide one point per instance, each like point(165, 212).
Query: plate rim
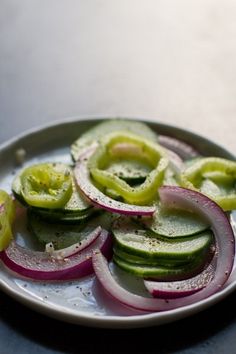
point(110, 321)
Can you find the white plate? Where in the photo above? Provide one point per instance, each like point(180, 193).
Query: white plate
point(82, 301)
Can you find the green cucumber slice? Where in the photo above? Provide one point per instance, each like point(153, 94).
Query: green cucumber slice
point(108, 126)
point(136, 241)
point(161, 272)
point(141, 260)
point(63, 235)
point(175, 223)
point(65, 218)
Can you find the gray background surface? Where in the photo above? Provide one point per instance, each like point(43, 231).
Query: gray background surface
point(173, 61)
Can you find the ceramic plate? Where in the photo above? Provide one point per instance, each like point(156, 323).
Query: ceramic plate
point(82, 301)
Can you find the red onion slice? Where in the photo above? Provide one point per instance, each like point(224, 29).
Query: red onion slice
point(181, 288)
point(98, 198)
point(176, 161)
point(187, 199)
point(40, 265)
point(75, 248)
point(182, 149)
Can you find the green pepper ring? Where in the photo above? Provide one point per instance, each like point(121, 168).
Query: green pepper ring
point(138, 148)
point(44, 185)
point(193, 173)
point(7, 215)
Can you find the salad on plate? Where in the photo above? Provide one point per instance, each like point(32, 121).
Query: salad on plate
point(148, 204)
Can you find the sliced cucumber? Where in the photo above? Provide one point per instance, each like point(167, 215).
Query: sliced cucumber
point(143, 243)
point(62, 235)
point(109, 126)
point(61, 217)
point(175, 223)
point(139, 260)
point(103, 219)
point(161, 272)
